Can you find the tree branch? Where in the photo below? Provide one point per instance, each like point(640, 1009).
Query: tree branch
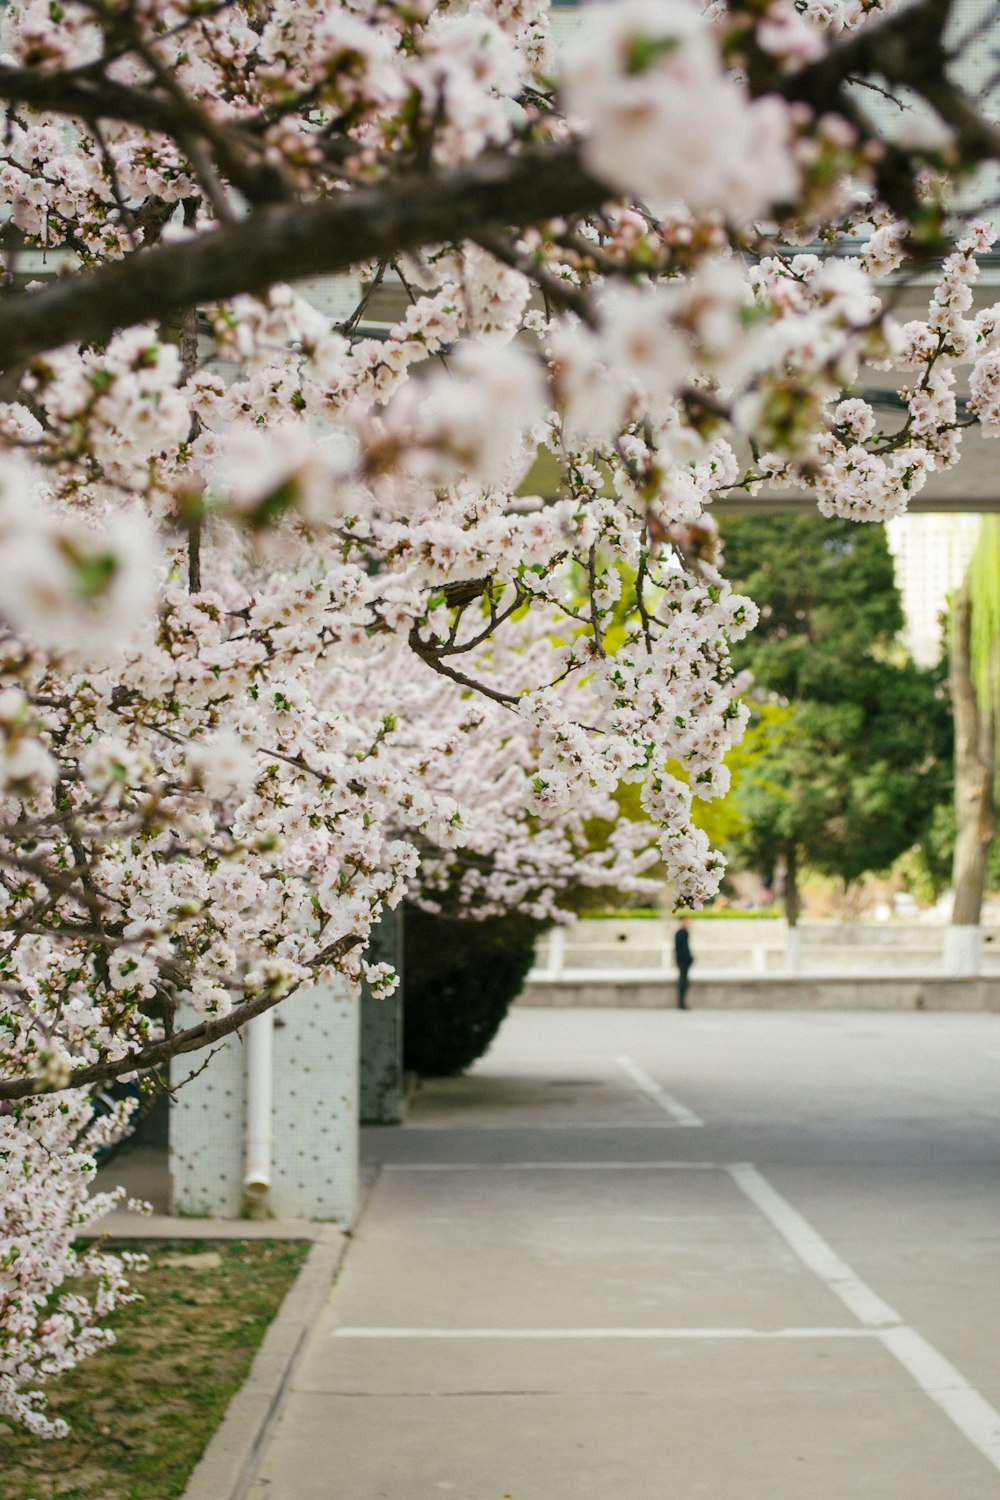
point(203, 1034)
point(88, 98)
point(427, 653)
point(907, 49)
point(302, 239)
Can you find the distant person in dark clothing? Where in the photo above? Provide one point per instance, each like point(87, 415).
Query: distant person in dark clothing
point(684, 957)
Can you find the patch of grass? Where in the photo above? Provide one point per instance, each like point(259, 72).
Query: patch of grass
point(735, 914)
point(141, 1413)
point(627, 914)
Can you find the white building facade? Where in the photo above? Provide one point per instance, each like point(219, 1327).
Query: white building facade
point(931, 554)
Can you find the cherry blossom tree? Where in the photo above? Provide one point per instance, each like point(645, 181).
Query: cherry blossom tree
point(286, 628)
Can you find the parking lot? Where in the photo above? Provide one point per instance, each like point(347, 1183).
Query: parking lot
point(661, 1256)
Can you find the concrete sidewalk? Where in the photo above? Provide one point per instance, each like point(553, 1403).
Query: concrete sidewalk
point(613, 1262)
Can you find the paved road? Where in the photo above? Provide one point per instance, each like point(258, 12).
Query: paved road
point(665, 1256)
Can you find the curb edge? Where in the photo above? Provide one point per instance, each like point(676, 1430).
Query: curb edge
point(228, 1465)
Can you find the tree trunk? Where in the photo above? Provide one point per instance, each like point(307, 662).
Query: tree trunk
point(189, 363)
point(793, 902)
point(974, 774)
point(793, 906)
point(974, 797)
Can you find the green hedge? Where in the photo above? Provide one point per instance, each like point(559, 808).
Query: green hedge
point(461, 977)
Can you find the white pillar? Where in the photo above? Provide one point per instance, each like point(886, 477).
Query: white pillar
point(315, 1165)
point(206, 1130)
point(314, 1117)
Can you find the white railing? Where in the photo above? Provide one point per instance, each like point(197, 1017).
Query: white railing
point(640, 951)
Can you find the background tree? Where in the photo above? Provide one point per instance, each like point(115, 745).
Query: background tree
point(974, 680)
point(851, 775)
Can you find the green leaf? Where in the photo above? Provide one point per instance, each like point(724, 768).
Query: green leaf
point(92, 575)
point(644, 51)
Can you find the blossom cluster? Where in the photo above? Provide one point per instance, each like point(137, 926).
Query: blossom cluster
point(47, 1169)
point(855, 465)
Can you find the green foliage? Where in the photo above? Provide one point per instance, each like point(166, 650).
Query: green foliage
point(984, 632)
point(733, 914)
point(827, 597)
point(927, 867)
point(461, 976)
point(852, 767)
point(626, 913)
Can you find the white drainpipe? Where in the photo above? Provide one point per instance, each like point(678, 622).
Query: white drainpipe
point(259, 1080)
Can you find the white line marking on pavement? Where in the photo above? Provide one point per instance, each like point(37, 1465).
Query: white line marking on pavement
point(550, 1166)
point(938, 1379)
point(974, 1417)
point(678, 1112)
point(745, 1216)
point(578, 1125)
point(604, 1333)
point(866, 1305)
